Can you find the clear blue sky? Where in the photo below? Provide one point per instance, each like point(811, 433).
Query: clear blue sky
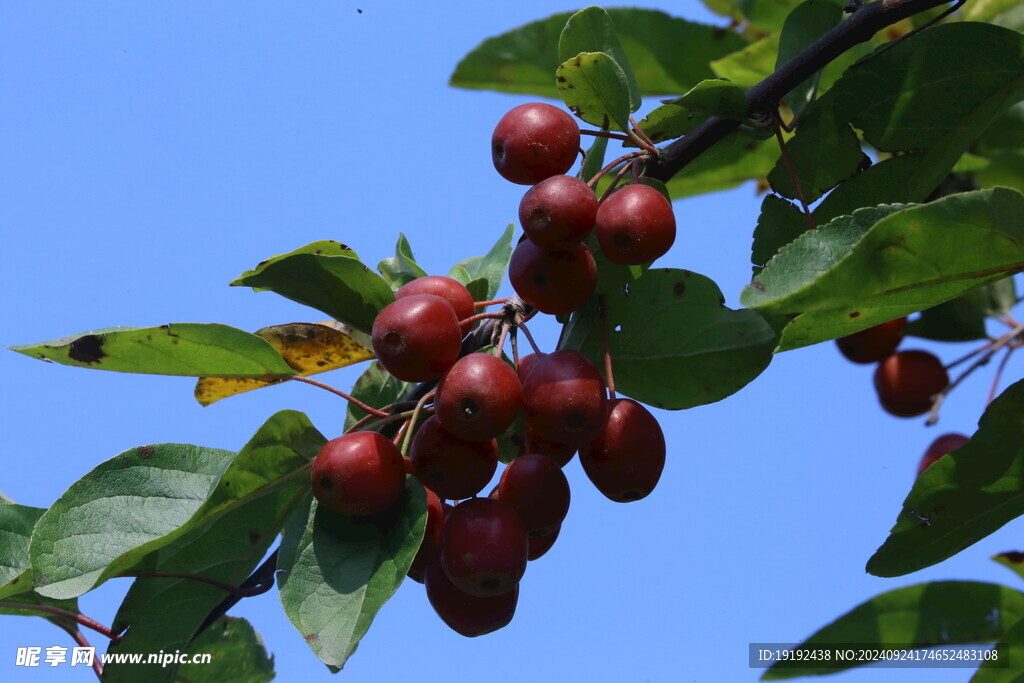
point(152, 153)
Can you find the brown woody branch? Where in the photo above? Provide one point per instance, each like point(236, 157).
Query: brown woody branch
point(764, 98)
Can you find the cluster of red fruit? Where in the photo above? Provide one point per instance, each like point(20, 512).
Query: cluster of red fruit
point(475, 552)
point(906, 381)
point(552, 269)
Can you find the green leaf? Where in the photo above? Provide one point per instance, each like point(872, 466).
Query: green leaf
point(491, 266)
point(511, 440)
point(336, 572)
point(964, 496)
point(591, 30)
point(750, 64)
point(1012, 560)
point(237, 654)
point(401, 268)
point(124, 508)
point(479, 289)
point(16, 524)
point(778, 224)
point(327, 276)
point(668, 55)
point(165, 612)
point(928, 98)
point(963, 318)
point(735, 159)
point(809, 21)
point(673, 343)
point(377, 388)
point(190, 349)
point(594, 88)
point(996, 671)
point(924, 615)
point(679, 116)
point(27, 605)
point(885, 262)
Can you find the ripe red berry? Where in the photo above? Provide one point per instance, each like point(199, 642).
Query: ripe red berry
point(417, 337)
point(564, 398)
point(946, 443)
point(358, 474)
point(539, 545)
point(484, 547)
point(874, 343)
point(465, 614)
point(558, 211)
point(536, 487)
point(561, 453)
point(635, 225)
point(479, 398)
point(626, 459)
point(526, 364)
point(906, 381)
point(452, 291)
point(430, 548)
point(553, 282)
point(534, 141)
point(451, 467)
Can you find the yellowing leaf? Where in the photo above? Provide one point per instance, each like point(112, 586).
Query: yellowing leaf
point(309, 348)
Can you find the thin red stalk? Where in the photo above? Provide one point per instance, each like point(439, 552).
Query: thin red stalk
point(481, 316)
point(354, 401)
point(618, 177)
point(600, 174)
point(604, 134)
point(81, 641)
point(643, 136)
point(401, 433)
point(58, 612)
point(607, 345)
point(529, 338)
point(792, 175)
point(999, 373)
point(969, 356)
point(492, 302)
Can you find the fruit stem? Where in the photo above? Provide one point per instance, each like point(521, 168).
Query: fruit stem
point(625, 157)
point(354, 401)
point(401, 433)
point(649, 146)
point(1004, 340)
point(999, 373)
point(618, 178)
point(76, 617)
point(529, 338)
point(481, 316)
point(605, 134)
point(387, 420)
point(82, 641)
point(792, 173)
point(492, 302)
point(233, 590)
point(610, 377)
point(412, 421)
point(969, 356)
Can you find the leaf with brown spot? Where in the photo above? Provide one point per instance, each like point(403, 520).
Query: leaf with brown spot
point(1012, 560)
point(309, 348)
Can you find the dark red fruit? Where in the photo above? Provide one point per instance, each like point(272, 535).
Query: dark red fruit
point(553, 282)
point(564, 398)
point(451, 467)
point(626, 459)
point(906, 382)
point(559, 452)
point(452, 291)
point(635, 225)
point(430, 548)
point(558, 211)
point(536, 487)
point(468, 615)
point(942, 445)
point(874, 343)
point(417, 337)
point(484, 547)
point(479, 398)
point(534, 141)
point(358, 474)
point(526, 364)
point(539, 545)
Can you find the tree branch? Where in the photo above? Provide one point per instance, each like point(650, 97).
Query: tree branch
point(764, 97)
